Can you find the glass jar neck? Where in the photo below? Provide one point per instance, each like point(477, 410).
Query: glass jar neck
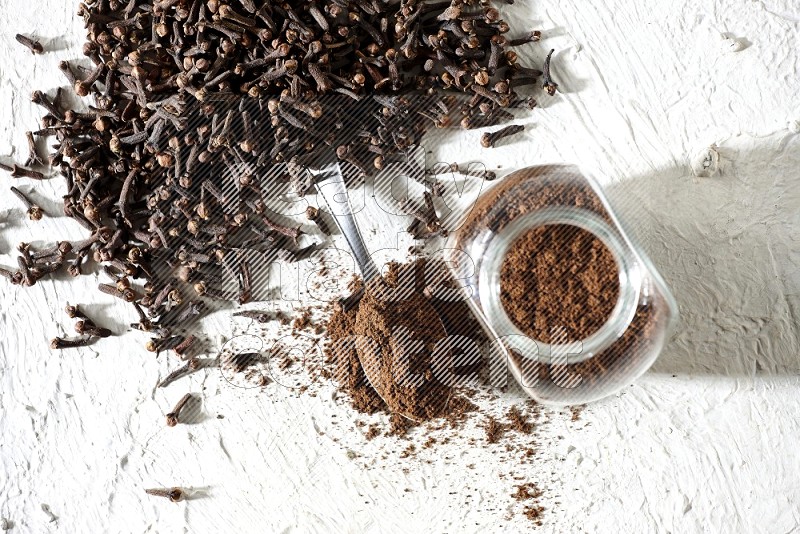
point(630, 283)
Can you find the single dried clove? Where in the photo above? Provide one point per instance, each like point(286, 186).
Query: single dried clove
point(128, 295)
point(31, 44)
point(313, 214)
point(33, 155)
point(187, 368)
point(547, 82)
point(73, 312)
point(288, 231)
point(531, 37)
point(258, 316)
point(185, 345)
point(490, 139)
point(245, 282)
point(34, 212)
point(21, 172)
point(173, 416)
point(173, 494)
point(58, 343)
point(87, 327)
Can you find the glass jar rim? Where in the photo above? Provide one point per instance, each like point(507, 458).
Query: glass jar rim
point(630, 283)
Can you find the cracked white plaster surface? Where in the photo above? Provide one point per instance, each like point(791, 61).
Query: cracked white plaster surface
point(705, 442)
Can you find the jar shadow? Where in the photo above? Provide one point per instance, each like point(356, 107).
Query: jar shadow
point(727, 247)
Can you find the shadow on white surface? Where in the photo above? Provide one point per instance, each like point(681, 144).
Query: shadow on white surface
point(728, 247)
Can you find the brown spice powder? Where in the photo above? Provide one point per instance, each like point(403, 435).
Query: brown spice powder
point(405, 329)
point(372, 432)
point(458, 320)
point(518, 421)
point(458, 408)
point(608, 365)
point(559, 283)
point(456, 316)
point(399, 425)
point(534, 513)
point(341, 350)
point(494, 429)
point(302, 322)
point(527, 491)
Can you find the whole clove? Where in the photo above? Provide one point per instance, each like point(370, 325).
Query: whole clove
point(31, 44)
point(33, 155)
point(86, 327)
point(313, 215)
point(490, 139)
point(547, 81)
point(58, 343)
point(258, 316)
point(173, 494)
point(187, 368)
point(73, 312)
point(173, 416)
point(184, 345)
point(34, 212)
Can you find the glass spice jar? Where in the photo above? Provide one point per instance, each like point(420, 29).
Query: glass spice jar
point(577, 309)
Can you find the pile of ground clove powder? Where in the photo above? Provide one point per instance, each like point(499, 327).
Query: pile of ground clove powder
point(399, 334)
point(443, 414)
point(419, 295)
point(397, 313)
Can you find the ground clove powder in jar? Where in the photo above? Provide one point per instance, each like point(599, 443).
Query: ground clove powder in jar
point(559, 284)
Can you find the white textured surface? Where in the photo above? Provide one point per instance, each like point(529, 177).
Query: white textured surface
point(704, 442)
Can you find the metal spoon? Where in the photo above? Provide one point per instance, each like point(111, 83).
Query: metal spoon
point(330, 186)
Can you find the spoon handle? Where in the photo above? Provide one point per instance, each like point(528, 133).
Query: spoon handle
point(331, 187)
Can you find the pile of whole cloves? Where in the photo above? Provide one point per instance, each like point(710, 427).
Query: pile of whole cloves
point(201, 113)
